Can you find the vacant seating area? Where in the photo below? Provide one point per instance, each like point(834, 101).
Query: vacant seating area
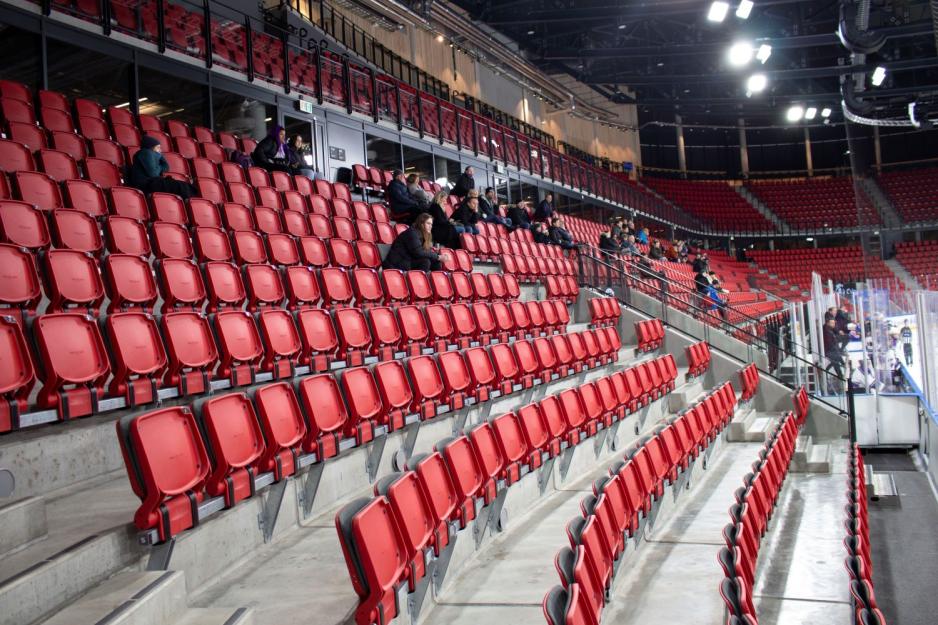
point(841, 264)
point(920, 260)
point(859, 563)
point(716, 203)
point(912, 193)
point(816, 203)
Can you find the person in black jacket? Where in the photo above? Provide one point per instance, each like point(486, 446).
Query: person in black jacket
point(444, 232)
point(488, 209)
point(540, 234)
point(518, 214)
point(413, 248)
point(545, 211)
point(467, 215)
point(464, 184)
point(559, 235)
point(149, 165)
point(272, 152)
point(403, 206)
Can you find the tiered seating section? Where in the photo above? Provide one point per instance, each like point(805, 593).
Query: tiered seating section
point(840, 264)
point(859, 563)
point(604, 311)
point(393, 540)
point(912, 193)
point(716, 203)
point(816, 203)
point(920, 260)
point(749, 521)
point(698, 359)
point(650, 335)
point(622, 503)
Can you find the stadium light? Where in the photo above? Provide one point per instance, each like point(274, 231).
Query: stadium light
point(756, 83)
point(826, 112)
point(718, 11)
point(810, 113)
point(439, 38)
point(740, 54)
point(879, 75)
point(763, 53)
point(795, 114)
point(744, 9)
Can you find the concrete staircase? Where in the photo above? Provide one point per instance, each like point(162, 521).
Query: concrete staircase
point(880, 201)
point(760, 206)
point(901, 273)
point(811, 457)
point(750, 425)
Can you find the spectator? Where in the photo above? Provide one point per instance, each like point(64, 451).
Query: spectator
point(403, 206)
point(559, 235)
point(615, 229)
point(148, 168)
point(655, 252)
point(629, 247)
point(464, 184)
point(671, 252)
point(606, 242)
point(629, 226)
point(488, 209)
point(467, 215)
point(716, 302)
point(273, 153)
point(518, 214)
point(701, 264)
point(545, 210)
point(413, 248)
point(835, 356)
point(539, 230)
point(444, 232)
point(416, 191)
point(643, 236)
point(297, 149)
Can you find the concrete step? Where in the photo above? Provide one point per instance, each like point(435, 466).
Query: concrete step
point(811, 457)
point(884, 491)
point(682, 397)
point(132, 598)
point(21, 523)
point(217, 616)
point(759, 429)
point(750, 426)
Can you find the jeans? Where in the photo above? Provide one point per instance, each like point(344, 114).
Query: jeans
point(495, 219)
point(460, 229)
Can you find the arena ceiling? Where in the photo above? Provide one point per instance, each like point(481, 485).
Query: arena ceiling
point(669, 58)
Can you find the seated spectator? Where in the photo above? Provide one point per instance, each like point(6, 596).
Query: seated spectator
point(413, 248)
point(629, 246)
point(655, 251)
point(488, 209)
point(272, 152)
point(545, 210)
point(297, 149)
point(670, 252)
point(146, 172)
point(717, 302)
point(404, 207)
point(560, 235)
point(444, 232)
point(606, 241)
point(467, 214)
point(539, 231)
point(701, 263)
point(416, 191)
point(464, 184)
point(643, 236)
point(518, 214)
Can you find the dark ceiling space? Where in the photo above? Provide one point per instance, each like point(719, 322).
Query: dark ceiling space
point(675, 61)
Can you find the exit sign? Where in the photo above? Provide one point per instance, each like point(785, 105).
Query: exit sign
point(304, 107)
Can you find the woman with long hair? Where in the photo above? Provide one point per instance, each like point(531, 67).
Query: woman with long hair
point(445, 233)
point(413, 248)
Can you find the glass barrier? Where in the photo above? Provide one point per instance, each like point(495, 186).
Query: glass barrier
point(431, 111)
point(134, 18)
point(268, 57)
point(511, 148)
point(409, 117)
point(387, 100)
point(448, 116)
point(303, 74)
point(464, 125)
point(333, 86)
point(524, 154)
point(497, 141)
point(362, 94)
point(228, 44)
point(482, 136)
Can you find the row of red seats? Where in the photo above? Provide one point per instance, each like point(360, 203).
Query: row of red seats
point(749, 522)
point(802, 405)
point(622, 502)
point(166, 453)
point(563, 287)
point(749, 376)
point(388, 540)
point(650, 333)
point(604, 311)
point(859, 562)
point(493, 248)
point(911, 193)
point(698, 358)
point(715, 202)
point(187, 353)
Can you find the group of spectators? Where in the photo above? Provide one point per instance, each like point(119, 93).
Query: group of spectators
point(410, 203)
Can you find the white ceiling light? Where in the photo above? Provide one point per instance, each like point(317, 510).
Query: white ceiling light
point(810, 112)
point(740, 54)
point(795, 113)
point(744, 9)
point(763, 53)
point(826, 112)
point(718, 11)
point(879, 75)
point(756, 83)
point(439, 38)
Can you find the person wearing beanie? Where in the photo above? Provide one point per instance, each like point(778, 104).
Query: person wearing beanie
point(146, 172)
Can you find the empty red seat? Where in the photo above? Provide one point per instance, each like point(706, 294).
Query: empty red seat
point(23, 225)
point(73, 281)
point(240, 347)
point(129, 282)
point(17, 375)
point(139, 357)
point(284, 428)
point(38, 189)
point(235, 442)
point(170, 240)
point(75, 230)
point(20, 290)
point(167, 465)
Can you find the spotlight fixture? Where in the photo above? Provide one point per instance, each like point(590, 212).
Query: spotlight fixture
point(531, 32)
point(718, 11)
point(756, 84)
point(826, 112)
point(740, 54)
point(763, 53)
point(810, 113)
point(439, 38)
point(621, 26)
point(879, 75)
point(795, 114)
point(744, 9)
